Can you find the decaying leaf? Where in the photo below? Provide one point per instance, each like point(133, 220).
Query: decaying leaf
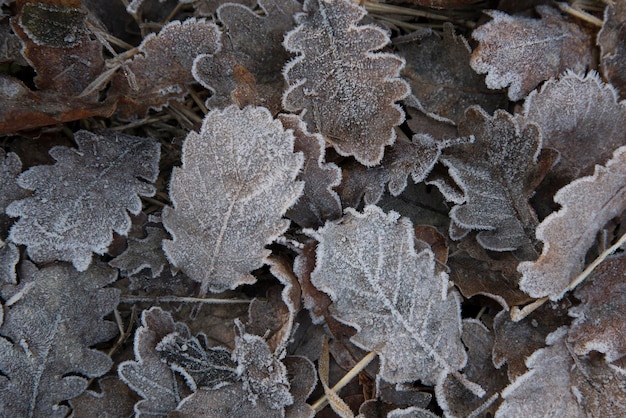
point(163, 72)
point(612, 42)
point(146, 253)
point(600, 323)
point(253, 42)
point(236, 182)
point(10, 168)
point(378, 283)
point(148, 375)
point(79, 201)
point(496, 172)
point(341, 83)
point(319, 202)
point(520, 52)
point(51, 319)
point(581, 118)
point(587, 205)
point(438, 70)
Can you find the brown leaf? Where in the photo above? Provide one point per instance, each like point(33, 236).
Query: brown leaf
point(341, 82)
point(600, 323)
point(520, 52)
point(587, 205)
point(360, 183)
point(115, 399)
point(254, 43)
point(438, 70)
point(612, 42)
point(207, 8)
point(161, 71)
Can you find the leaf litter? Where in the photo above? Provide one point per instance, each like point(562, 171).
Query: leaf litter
point(255, 138)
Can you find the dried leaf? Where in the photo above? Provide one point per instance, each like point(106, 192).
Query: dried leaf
point(519, 52)
point(78, 202)
point(163, 72)
point(209, 7)
point(581, 118)
point(341, 82)
point(587, 205)
point(319, 202)
point(254, 43)
point(236, 182)
point(10, 168)
point(411, 412)
point(147, 375)
point(612, 42)
point(599, 323)
point(390, 294)
point(146, 253)
point(360, 183)
point(438, 70)
point(496, 172)
point(114, 400)
point(51, 319)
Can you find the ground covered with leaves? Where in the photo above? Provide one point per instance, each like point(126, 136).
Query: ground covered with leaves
point(273, 208)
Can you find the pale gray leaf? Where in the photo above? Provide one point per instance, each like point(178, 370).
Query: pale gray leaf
point(146, 253)
point(10, 168)
point(79, 201)
point(9, 257)
point(236, 183)
point(51, 320)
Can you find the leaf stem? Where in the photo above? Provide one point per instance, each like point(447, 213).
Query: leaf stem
point(518, 314)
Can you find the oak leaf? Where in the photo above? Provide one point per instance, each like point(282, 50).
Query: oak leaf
point(51, 319)
point(341, 82)
point(520, 52)
point(146, 253)
point(379, 285)
point(588, 203)
point(79, 201)
point(236, 183)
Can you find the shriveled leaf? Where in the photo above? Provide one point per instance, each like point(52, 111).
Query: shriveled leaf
point(51, 319)
point(520, 52)
point(319, 202)
point(146, 253)
point(341, 82)
point(78, 202)
point(115, 399)
point(147, 375)
point(379, 285)
point(496, 172)
point(456, 400)
point(163, 72)
point(580, 117)
point(587, 205)
point(254, 43)
point(10, 168)
point(612, 42)
point(438, 70)
point(600, 323)
point(236, 182)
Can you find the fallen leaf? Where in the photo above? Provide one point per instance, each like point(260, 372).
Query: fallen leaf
point(520, 52)
point(588, 203)
point(115, 399)
point(79, 201)
point(341, 82)
point(10, 168)
point(236, 182)
point(146, 253)
point(612, 43)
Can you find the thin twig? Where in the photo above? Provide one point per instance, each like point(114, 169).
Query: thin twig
point(182, 299)
point(580, 14)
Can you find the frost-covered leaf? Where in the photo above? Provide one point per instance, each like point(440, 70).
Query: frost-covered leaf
point(581, 118)
point(253, 42)
point(456, 400)
point(339, 81)
point(438, 70)
point(9, 257)
point(587, 204)
point(600, 323)
point(10, 168)
point(612, 42)
point(520, 52)
point(51, 319)
point(79, 201)
point(391, 294)
point(411, 412)
point(146, 253)
point(236, 182)
point(209, 7)
point(163, 70)
point(319, 202)
point(361, 184)
point(496, 172)
point(148, 375)
point(114, 399)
